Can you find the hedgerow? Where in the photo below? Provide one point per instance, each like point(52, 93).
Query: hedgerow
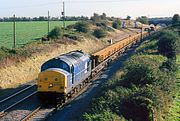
point(145, 89)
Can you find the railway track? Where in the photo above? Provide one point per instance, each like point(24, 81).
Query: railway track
point(13, 102)
point(30, 115)
point(15, 94)
point(41, 113)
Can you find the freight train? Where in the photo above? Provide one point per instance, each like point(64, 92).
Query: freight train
point(63, 76)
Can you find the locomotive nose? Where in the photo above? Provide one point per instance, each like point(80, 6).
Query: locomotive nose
point(52, 81)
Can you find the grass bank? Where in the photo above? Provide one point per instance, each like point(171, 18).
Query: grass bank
point(174, 112)
point(21, 71)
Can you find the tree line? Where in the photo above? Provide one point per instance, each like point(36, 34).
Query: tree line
point(44, 18)
point(95, 18)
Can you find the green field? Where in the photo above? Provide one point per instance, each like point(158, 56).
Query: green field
point(25, 31)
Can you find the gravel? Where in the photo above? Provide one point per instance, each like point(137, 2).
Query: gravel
point(21, 110)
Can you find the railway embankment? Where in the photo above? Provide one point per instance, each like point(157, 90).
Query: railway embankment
point(145, 88)
point(17, 70)
point(27, 69)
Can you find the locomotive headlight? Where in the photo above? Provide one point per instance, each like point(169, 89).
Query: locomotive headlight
point(50, 85)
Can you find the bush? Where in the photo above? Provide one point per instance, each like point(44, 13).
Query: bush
point(142, 70)
point(104, 24)
point(55, 33)
point(103, 116)
point(116, 24)
point(176, 19)
point(169, 33)
point(139, 103)
point(4, 52)
point(143, 19)
point(167, 44)
point(71, 36)
point(99, 33)
point(101, 24)
point(71, 26)
point(82, 27)
point(169, 65)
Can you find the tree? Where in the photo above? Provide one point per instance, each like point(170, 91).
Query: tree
point(116, 24)
point(99, 33)
point(82, 27)
point(143, 19)
point(103, 16)
point(96, 17)
point(168, 43)
point(55, 33)
point(176, 19)
point(119, 22)
point(128, 17)
point(167, 46)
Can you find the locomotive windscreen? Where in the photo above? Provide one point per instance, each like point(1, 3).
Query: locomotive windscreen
point(55, 63)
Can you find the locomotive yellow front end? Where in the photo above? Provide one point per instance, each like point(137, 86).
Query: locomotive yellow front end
point(52, 85)
point(52, 81)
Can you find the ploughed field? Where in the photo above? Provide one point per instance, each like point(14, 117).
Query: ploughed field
point(26, 32)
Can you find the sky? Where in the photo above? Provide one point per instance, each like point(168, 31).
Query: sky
point(117, 8)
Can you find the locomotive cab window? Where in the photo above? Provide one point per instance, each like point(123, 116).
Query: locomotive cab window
point(55, 63)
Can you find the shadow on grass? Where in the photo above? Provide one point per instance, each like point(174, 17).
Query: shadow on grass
point(39, 38)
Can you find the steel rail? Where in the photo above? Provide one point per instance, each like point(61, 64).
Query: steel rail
point(26, 118)
point(5, 110)
point(15, 94)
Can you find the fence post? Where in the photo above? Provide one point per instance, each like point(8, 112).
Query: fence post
point(14, 31)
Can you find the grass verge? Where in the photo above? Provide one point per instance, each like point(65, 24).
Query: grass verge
point(174, 113)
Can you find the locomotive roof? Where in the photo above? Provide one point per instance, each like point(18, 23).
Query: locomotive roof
point(58, 69)
point(74, 57)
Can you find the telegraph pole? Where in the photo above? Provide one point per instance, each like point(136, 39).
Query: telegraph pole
point(48, 24)
point(14, 31)
point(63, 15)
